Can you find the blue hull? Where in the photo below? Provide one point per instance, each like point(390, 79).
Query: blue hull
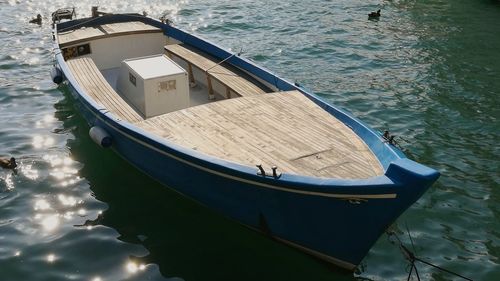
point(333, 219)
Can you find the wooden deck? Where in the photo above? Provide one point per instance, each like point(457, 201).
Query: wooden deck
point(76, 36)
point(233, 82)
point(91, 80)
point(285, 129)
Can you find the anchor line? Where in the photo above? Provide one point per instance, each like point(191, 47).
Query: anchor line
point(224, 60)
point(413, 258)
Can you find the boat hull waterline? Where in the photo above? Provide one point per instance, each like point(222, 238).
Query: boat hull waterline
point(337, 220)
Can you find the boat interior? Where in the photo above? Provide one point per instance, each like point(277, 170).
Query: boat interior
point(188, 97)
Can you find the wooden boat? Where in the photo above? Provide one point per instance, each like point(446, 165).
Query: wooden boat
point(234, 136)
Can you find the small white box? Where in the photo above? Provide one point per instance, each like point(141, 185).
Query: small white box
point(154, 85)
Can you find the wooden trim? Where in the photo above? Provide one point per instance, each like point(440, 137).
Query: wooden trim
point(92, 38)
point(190, 71)
point(211, 95)
point(237, 84)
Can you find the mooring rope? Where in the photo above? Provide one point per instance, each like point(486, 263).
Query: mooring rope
point(224, 60)
point(412, 258)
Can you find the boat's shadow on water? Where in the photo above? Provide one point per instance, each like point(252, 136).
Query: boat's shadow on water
point(183, 238)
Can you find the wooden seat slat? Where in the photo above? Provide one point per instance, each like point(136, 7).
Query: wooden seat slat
point(236, 83)
point(95, 85)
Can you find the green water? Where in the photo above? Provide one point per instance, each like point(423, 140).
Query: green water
point(427, 70)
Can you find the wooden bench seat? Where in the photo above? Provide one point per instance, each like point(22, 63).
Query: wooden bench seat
point(95, 85)
point(231, 80)
point(81, 35)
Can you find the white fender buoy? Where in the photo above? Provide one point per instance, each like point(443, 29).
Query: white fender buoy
point(100, 136)
point(56, 74)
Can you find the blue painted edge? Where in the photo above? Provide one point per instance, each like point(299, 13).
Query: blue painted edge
point(399, 169)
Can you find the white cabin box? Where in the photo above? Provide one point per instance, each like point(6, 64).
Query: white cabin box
point(154, 85)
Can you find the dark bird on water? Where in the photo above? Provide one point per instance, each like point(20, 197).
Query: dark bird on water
point(374, 15)
point(8, 163)
point(37, 20)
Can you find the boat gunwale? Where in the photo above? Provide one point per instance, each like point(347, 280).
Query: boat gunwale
point(374, 187)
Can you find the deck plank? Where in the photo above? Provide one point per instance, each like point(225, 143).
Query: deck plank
point(91, 80)
point(76, 36)
point(285, 129)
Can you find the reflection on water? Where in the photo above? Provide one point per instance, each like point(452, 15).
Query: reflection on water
point(7, 179)
point(41, 141)
point(51, 258)
point(28, 171)
point(50, 222)
point(133, 267)
point(41, 204)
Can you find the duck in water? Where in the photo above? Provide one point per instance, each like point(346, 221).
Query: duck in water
point(37, 20)
point(8, 163)
point(374, 15)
